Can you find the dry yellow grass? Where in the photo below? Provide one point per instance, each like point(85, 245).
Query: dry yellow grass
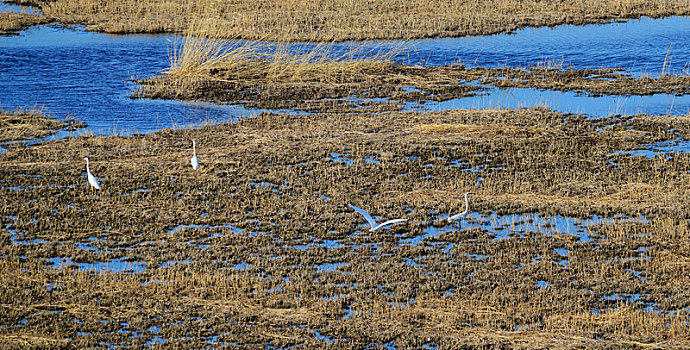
point(274, 76)
point(329, 20)
point(12, 22)
point(25, 125)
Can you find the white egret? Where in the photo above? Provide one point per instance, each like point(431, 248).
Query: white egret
point(194, 160)
point(374, 225)
point(464, 213)
point(92, 179)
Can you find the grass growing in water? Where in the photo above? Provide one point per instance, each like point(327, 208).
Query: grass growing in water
point(294, 76)
point(235, 252)
point(13, 22)
point(30, 124)
point(315, 78)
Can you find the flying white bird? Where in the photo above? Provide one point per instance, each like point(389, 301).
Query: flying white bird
point(374, 225)
point(92, 179)
point(464, 213)
point(194, 160)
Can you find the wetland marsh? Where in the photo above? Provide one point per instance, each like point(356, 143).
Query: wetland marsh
point(578, 235)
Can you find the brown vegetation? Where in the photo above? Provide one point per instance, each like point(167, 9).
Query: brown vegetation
point(25, 125)
point(315, 80)
point(592, 81)
point(337, 20)
point(238, 252)
point(13, 22)
point(257, 75)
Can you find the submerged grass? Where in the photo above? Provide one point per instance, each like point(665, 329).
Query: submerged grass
point(335, 20)
point(258, 248)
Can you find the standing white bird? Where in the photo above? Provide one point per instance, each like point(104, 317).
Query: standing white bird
point(374, 225)
point(194, 160)
point(464, 213)
point(92, 179)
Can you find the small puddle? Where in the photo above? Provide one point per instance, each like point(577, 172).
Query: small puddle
point(328, 267)
point(12, 8)
point(663, 148)
point(517, 225)
point(564, 102)
point(113, 266)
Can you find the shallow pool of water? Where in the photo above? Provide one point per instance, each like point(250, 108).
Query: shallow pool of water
point(11, 8)
point(565, 102)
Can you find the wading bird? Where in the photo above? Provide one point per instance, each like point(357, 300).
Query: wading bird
point(92, 179)
point(374, 225)
point(459, 216)
point(194, 160)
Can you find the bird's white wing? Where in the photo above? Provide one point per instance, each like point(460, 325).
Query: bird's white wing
point(457, 216)
point(366, 215)
point(195, 162)
point(93, 181)
point(389, 222)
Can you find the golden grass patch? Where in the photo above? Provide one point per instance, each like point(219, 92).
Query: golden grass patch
point(335, 20)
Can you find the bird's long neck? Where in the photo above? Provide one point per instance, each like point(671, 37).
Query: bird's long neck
point(467, 203)
point(87, 166)
point(194, 146)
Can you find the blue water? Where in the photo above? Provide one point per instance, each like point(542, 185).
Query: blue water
point(73, 73)
point(566, 102)
point(19, 9)
point(86, 76)
point(638, 46)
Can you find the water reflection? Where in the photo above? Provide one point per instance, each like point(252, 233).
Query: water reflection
point(518, 225)
point(639, 46)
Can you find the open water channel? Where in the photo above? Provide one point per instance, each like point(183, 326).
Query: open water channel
point(70, 72)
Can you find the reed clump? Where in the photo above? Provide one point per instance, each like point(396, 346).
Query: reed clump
point(14, 22)
point(309, 77)
point(259, 248)
point(22, 125)
point(330, 20)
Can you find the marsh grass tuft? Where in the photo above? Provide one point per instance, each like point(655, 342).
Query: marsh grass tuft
point(361, 78)
point(307, 76)
point(22, 125)
point(14, 22)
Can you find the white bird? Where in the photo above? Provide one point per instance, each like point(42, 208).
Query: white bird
point(92, 179)
point(374, 225)
point(464, 213)
point(194, 160)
